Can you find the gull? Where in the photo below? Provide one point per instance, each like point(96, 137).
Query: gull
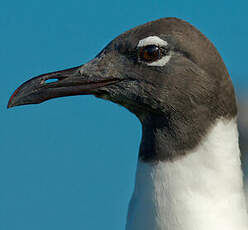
point(174, 80)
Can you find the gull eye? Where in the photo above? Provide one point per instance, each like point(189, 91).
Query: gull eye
point(150, 53)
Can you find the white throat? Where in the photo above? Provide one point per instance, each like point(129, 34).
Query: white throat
point(202, 190)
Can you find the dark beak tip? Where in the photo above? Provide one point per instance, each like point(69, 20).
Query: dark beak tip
point(11, 102)
point(9, 106)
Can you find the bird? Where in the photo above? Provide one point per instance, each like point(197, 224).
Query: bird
point(174, 80)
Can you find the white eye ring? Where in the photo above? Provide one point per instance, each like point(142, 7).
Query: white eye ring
point(155, 40)
point(152, 40)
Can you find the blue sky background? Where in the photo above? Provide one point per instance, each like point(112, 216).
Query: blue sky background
point(69, 163)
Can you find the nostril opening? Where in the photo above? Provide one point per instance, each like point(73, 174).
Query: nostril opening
point(51, 80)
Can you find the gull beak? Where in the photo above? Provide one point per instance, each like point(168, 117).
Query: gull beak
point(82, 80)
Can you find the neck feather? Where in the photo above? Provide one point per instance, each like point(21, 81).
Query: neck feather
point(200, 190)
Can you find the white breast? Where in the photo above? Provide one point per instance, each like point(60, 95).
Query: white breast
point(202, 190)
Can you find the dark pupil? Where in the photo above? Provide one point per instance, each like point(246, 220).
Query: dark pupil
point(150, 53)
